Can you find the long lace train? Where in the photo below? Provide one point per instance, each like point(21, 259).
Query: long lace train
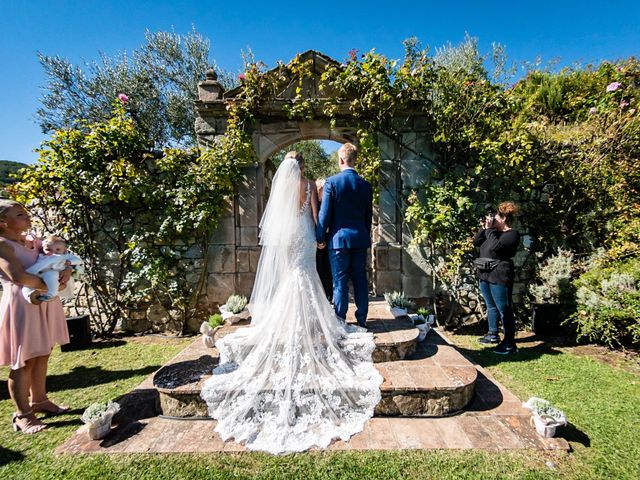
point(298, 377)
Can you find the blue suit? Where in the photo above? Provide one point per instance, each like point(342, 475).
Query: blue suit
point(344, 223)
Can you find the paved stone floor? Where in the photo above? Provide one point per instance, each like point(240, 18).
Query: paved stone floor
point(494, 420)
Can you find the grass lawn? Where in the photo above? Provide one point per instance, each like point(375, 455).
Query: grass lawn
point(602, 402)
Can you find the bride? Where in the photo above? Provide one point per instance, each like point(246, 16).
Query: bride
point(297, 377)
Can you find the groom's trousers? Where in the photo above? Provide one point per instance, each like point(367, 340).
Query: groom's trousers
point(350, 264)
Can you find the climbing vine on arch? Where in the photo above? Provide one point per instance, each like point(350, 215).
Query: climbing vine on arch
point(95, 183)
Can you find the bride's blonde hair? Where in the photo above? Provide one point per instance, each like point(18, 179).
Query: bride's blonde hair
point(295, 155)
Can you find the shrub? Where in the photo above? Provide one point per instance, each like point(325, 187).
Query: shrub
point(236, 303)
point(215, 320)
point(99, 412)
point(608, 304)
point(131, 213)
point(554, 279)
point(397, 299)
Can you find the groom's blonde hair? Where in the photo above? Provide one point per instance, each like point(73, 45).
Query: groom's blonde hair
point(349, 153)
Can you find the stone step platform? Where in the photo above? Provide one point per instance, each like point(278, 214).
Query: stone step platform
point(470, 431)
point(494, 421)
point(434, 380)
point(426, 379)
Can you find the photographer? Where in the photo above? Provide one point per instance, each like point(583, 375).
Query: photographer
point(498, 244)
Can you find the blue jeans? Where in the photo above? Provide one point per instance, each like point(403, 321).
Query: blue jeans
point(350, 264)
point(499, 306)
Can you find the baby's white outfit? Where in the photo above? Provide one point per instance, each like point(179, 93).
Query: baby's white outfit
point(48, 267)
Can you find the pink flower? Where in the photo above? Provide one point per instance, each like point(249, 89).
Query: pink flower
point(241, 77)
point(123, 97)
point(593, 111)
point(353, 54)
point(624, 103)
point(613, 86)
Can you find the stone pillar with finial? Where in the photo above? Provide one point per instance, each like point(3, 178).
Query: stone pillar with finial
point(207, 126)
point(210, 89)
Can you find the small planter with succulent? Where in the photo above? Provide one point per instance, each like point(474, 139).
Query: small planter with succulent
point(545, 416)
point(423, 321)
point(98, 417)
point(235, 310)
point(397, 303)
point(209, 328)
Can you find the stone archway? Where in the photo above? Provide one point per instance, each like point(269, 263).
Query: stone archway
point(235, 251)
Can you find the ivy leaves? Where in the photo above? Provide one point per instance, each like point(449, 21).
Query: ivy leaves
point(132, 212)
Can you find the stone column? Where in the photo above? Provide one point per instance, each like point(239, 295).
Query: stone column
point(387, 265)
point(247, 219)
point(221, 282)
point(414, 170)
point(208, 127)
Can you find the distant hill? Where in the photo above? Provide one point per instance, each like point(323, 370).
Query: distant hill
point(7, 167)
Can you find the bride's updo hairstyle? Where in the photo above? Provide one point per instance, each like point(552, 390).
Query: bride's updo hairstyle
point(297, 156)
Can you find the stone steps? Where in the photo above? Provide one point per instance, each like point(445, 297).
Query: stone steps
point(420, 379)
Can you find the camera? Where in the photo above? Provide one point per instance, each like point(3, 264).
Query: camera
point(489, 213)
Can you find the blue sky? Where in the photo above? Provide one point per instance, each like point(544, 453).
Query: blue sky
point(572, 31)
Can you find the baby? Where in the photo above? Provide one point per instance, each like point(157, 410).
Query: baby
point(48, 267)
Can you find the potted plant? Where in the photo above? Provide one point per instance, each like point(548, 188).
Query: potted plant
point(235, 310)
point(98, 417)
point(423, 322)
point(397, 303)
point(546, 417)
point(209, 328)
point(551, 293)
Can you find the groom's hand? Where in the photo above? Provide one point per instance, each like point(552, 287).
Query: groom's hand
point(321, 245)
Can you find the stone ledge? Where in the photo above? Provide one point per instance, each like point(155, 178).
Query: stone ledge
point(436, 380)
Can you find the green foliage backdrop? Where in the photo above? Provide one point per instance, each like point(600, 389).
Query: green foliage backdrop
point(131, 213)
point(565, 145)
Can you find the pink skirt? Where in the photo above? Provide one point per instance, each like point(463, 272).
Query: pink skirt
point(28, 331)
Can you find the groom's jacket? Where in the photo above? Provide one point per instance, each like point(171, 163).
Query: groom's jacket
point(346, 211)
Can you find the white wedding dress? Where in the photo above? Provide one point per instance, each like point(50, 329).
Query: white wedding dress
point(297, 377)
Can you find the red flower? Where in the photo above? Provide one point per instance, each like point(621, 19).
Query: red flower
point(353, 54)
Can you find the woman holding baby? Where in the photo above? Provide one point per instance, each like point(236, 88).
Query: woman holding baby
point(28, 332)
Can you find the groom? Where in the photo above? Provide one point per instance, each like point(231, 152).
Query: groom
point(346, 212)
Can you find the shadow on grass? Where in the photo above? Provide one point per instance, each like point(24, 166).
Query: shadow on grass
point(7, 456)
point(97, 345)
point(83, 377)
point(65, 423)
point(486, 357)
point(571, 433)
point(476, 328)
